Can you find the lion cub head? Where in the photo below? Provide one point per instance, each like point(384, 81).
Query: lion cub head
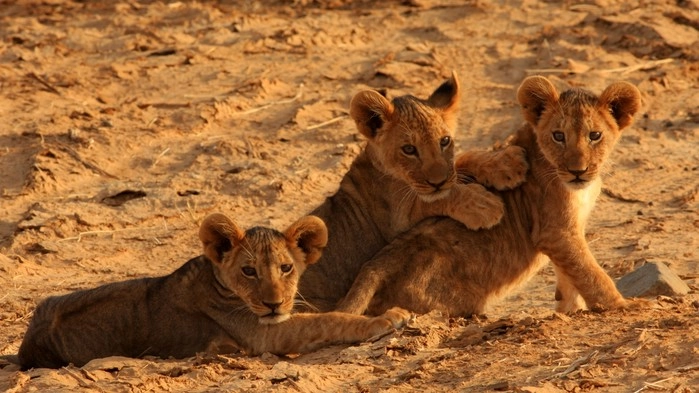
point(262, 266)
point(410, 138)
point(576, 130)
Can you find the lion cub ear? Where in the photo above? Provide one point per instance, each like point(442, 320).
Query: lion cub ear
point(370, 111)
point(534, 95)
point(219, 234)
point(446, 99)
point(310, 235)
point(622, 100)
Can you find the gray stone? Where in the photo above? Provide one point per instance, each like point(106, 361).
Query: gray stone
point(652, 279)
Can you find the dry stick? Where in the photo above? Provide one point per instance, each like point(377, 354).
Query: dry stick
point(80, 381)
point(644, 66)
point(620, 197)
point(263, 107)
point(653, 385)
point(43, 82)
point(155, 162)
point(575, 365)
point(85, 163)
point(114, 231)
point(690, 367)
point(548, 70)
point(325, 123)
point(624, 70)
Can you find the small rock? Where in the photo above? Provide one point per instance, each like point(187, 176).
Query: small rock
point(652, 279)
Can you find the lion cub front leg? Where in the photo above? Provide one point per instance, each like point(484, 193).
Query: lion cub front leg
point(578, 272)
point(308, 331)
point(502, 169)
point(568, 299)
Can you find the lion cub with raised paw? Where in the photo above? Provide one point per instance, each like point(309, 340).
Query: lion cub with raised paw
point(440, 264)
point(405, 173)
point(238, 295)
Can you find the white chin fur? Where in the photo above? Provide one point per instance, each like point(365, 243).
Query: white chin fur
point(577, 186)
point(435, 196)
point(271, 320)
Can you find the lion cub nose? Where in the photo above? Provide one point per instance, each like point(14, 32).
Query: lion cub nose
point(437, 185)
point(272, 306)
point(577, 172)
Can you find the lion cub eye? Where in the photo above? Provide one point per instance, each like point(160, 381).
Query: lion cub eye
point(595, 135)
point(409, 150)
point(558, 136)
point(286, 268)
point(249, 271)
point(444, 142)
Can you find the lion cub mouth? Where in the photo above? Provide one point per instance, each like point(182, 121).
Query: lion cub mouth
point(578, 183)
point(273, 318)
point(434, 195)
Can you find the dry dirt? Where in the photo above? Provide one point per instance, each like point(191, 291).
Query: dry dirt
point(124, 123)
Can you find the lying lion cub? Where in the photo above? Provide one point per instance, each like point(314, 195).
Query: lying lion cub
point(239, 294)
point(442, 265)
point(405, 174)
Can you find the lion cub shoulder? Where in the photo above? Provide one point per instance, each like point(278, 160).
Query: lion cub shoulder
point(238, 295)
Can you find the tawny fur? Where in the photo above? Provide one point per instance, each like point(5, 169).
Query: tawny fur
point(238, 295)
point(442, 265)
point(390, 188)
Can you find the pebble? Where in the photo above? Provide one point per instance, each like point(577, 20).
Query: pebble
point(652, 279)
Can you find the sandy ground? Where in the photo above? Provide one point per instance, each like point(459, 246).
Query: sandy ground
point(125, 123)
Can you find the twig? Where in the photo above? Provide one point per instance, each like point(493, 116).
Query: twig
point(623, 70)
point(548, 70)
point(114, 231)
point(280, 102)
point(644, 66)
point(325, 123)
point(653, 385)
point(85, 163)
point(688, 368)
point(620, 197)
point(80, 380)
point(155, 162)
point(44, 83)
point(575, 365)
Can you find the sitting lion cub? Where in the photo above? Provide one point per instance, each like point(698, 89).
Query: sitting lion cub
point(442, 265)
point(239, 294)
point(405, 174)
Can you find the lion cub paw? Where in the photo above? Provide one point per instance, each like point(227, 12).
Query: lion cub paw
point(388, 322)
point(397, 316)
point(509, 170)
point(485, 209)
point(636, 304)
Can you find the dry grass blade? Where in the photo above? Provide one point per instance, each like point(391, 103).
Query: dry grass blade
point(44, 83)
point(271, 104)
point(325, 123)
point(85, 163)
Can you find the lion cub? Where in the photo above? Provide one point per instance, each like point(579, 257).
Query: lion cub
point(239, 294)
point(442, 265)
point(405, 173)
